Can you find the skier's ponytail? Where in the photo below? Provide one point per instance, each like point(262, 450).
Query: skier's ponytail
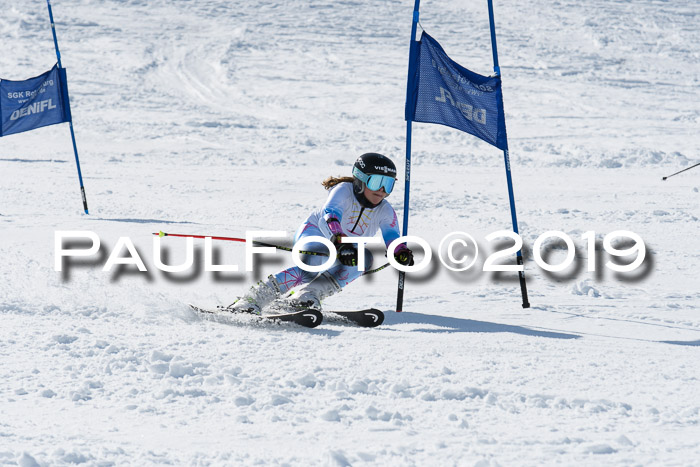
point(331, 181)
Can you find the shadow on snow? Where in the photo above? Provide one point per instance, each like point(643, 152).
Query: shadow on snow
point(686, 343)
point(451, 325)
point(142, 221)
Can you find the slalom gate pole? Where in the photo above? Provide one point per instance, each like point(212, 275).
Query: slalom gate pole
point(506, 156)
point(70, 118)
point(279, 247)
point(412, 62)
point(681, 171)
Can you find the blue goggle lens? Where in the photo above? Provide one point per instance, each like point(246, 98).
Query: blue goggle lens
point(375, 181)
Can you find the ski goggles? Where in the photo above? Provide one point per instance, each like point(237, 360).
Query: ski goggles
point(375, 181)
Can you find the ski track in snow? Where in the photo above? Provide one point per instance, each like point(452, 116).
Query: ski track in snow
point(202, 117)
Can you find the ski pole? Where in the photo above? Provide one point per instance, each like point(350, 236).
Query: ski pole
point(234, 239)
point(279, 247)
point(681, 171)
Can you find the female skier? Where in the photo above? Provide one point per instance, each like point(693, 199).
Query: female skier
point(356, 207)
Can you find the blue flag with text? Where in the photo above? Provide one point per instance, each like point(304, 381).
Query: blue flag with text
point(34, 103)
point(444, 92)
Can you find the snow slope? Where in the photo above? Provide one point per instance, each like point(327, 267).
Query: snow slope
point(213, 117)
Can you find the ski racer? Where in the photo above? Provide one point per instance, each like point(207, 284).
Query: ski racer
point(356, 207)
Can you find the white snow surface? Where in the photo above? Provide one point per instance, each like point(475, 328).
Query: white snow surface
point(215, 117)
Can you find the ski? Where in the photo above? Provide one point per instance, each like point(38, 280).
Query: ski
point(369, 318)
point(308, 318)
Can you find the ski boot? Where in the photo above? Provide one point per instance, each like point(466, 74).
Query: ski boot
point(309, 296)
point(258, 297)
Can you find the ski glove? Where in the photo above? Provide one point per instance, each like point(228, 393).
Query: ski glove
point(403, 255)
point(336, 230)
point(347, 254)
